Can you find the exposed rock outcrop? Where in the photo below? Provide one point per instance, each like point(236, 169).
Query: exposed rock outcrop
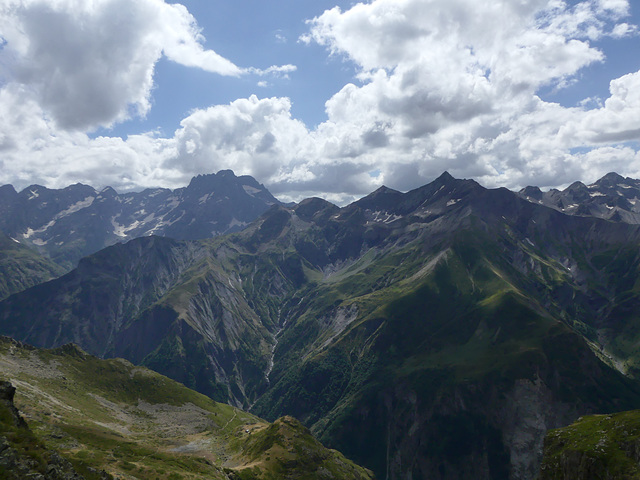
point(22, 455)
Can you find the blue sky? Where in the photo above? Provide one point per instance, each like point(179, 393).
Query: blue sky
point(267, 36)
point(318, 98)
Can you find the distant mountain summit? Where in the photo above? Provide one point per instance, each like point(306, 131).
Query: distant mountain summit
point(613, 197)
point(78, 220)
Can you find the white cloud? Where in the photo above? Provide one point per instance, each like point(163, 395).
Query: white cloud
point(280, 36)
point(442, 85)
point(249, 136)
point(617, 121)
point(34, 151)
point(278, 70)
point(620, 8)
point(91, 63)
point(452, 84)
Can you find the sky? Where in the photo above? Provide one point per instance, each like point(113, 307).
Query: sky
point(318, 98)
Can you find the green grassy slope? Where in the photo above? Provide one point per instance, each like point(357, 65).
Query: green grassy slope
point(129, 421)
point(287, 450)
point(24, 455)
point(606, 447)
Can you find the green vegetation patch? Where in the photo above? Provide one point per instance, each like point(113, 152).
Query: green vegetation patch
point(597, 446)
point(286, 450)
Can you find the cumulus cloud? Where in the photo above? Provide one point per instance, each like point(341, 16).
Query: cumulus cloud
point(249, 136)
point(442, 90)
point(278, 70)
point(34, 151)
point(617, 121)
point(441, 85)
point(91, 63)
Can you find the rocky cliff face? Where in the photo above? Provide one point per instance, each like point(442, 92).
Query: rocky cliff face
point(12, 417)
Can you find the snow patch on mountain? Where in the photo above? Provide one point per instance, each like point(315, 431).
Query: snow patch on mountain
point(251, 190)
point(30, 232)
point(384, 217)
point(76, 207)
point(237, 223)
point(118, 230)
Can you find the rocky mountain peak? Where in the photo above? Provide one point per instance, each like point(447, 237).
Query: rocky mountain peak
point(612, 197)
point(383, 190)
point(312, 208)
point(108, 191)
point(445, 178)
point(7, 191)
point(382, 199)
point(206, 179)
point(610, 179)
point(577, 186)
point(531, 192)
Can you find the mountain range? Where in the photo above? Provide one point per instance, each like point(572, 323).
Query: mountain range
point(68, 224)
point(613, 197)
point(438, 333)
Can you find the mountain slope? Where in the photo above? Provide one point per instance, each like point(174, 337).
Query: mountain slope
point(435, 334)
point(134, 423)
point(21, 267)
point(452, 353)
point(465, 249)
point(76, 221)
point(177, 307)
point(103, 292)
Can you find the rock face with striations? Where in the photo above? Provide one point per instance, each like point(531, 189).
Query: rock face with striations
point(7, 392)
